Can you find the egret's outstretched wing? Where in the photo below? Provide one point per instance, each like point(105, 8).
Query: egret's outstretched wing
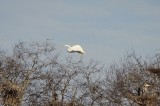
point(78, 48)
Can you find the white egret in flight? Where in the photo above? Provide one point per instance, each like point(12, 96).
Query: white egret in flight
point(75, 48)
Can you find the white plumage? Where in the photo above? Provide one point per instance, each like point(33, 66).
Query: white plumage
point(75, 48)
point(146, 85)
point(145, 88)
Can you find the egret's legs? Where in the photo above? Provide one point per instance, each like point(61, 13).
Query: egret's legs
point(81, 57)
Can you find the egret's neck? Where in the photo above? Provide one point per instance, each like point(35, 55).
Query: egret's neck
point(67, 46)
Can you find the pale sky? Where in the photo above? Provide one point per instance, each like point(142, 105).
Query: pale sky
point(106, 29)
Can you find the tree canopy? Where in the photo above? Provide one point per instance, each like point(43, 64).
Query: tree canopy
point(33, 75)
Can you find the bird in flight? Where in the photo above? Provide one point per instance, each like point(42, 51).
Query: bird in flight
point(75, 48)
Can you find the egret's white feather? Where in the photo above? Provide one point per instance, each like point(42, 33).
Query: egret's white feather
point(75, 48)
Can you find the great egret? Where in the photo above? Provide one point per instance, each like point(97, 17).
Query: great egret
point(145, 87)
point(75, 48)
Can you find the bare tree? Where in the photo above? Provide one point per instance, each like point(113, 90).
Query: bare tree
point(19, 70)
point(133, 82)
point(34, 75)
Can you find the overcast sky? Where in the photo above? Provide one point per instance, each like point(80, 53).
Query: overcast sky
point(106, 29)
